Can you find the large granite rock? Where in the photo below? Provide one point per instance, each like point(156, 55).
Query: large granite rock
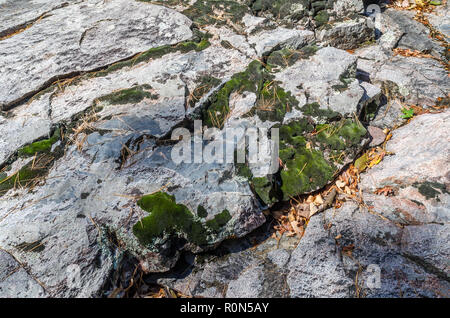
point(347, 252)
point(417, 172)
point(33, 120)
point(87, 183)
point(412, 34)
point(81, 37)
point(19, 14)
point(395, 246)
point(328, 78)
point(347, 34)
point(440, 19)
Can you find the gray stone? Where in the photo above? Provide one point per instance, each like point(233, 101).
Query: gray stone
point(416, 35)
point(8, 265)
point(377, 261)
point(377, 134)
point(241, 271)
point(345, 7)
point(412, 80)
point(348, 34)
point(315, 269)
point(418, 80)
point(440, 19)
point(266, 41)
point(247, 285)
point(417, 171)
point(169, 76)
point(20, 285)
point(19, 14)
point(79, 230)
point(82, 37)
point(85, 208)
point(328, 77)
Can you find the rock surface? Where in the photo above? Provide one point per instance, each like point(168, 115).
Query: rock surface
point(88, 179)
point(88, 35)
point(397, 249)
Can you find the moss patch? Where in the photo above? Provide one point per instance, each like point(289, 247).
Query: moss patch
point(206, 83)
point(265, 188)
point(207, 12)
point(249, 80)
point(431, 190)
point(282, 9)
point(309, 157)
point(24, 177)
point(287, 57)
point(218, 221)
point(166, 217)
point(198, 43)
point(32, 172)
point(41, 146)
point(130, 95)
point(318, 113)
point(272, 103)
point(321, 18)
point(306, 171)
point(201, 211)
point(340, 135)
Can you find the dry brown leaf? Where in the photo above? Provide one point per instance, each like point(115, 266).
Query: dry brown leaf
point(318, 200)
point(387, 191)
point(340, 184)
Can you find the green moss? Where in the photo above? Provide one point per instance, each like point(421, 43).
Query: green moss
point(287, 57)
point(41, 146)
point(282, 9)
point(168, 217)
point(205, 12)
point(201, 211)
point(340, 135)
point(314, 110)
point(130, 95)
point(219, 220)
point(293, 133)
point(266, 190)
point(431, 190)
point(274, 102)
point(249, 80)
point(328, 137)
point(352, 132)
point(24, 177)
point(305, 172)
point(243, 170)
point(321, 18)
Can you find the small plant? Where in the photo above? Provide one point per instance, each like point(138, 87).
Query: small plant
point(407, 113)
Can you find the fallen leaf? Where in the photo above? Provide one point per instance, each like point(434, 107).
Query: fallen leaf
point(312, 209)
point(387, 190)
point(318, 200)
point(340, 184)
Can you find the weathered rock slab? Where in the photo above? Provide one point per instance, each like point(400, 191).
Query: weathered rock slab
point(81, 37)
